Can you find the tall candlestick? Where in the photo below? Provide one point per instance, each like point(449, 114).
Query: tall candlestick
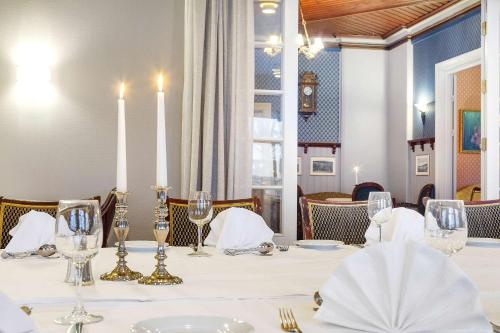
point(356, 171)
point(161, 141)
point(121, 156)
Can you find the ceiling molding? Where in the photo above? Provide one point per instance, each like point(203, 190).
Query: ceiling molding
point(404, 34)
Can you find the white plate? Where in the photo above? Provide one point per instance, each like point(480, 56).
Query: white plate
point(192, 324)
point(140, 246)
point(319, 244)
point(483, 242)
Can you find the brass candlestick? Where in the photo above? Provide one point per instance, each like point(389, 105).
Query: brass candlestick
point(121, 272)
point(160, 276)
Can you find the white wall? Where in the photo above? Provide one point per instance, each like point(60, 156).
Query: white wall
point(66, 147)
point(364, 116)
point(397, 146)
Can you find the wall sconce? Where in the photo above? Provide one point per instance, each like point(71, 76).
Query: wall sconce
point(32, 66)
point(424, 108)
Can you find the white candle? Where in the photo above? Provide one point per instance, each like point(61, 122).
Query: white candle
point(356, 171)
point(121, 155)
point(161, 141)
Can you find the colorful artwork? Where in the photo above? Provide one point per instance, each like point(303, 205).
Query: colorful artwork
point(470, 131)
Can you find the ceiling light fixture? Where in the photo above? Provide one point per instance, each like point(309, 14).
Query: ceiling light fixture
point(268, 8)
point(308, 49)
point(274, 46)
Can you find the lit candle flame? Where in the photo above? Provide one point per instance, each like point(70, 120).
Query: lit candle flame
point(160, 82)
point(356, 168)
point(122, 90)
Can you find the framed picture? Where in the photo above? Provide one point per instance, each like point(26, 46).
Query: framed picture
point(262, 110)
point(299, 166)
point(422, 165)
point(469, 122)
point(322, 166)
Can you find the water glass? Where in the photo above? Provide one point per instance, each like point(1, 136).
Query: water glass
point(379, 209)
point(200, 213)
point(78, 235)
point(446, 225)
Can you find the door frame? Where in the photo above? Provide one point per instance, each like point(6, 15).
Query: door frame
point(444, 115)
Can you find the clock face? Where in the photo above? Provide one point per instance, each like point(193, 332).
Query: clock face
point(308, 91)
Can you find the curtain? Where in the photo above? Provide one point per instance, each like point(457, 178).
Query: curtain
point(217, 108)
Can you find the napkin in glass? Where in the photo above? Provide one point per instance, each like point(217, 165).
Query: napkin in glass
point(404, 224)
point(238, 228)
point(401, 287)
point(12, 318)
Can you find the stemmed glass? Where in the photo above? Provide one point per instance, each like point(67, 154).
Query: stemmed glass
point(379, 209)
point(200, 213)
point(446, 225)
point(78, 235)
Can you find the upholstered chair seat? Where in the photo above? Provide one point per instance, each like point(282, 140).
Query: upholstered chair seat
point(183, 232)
point(483, 218)
point(343, 221)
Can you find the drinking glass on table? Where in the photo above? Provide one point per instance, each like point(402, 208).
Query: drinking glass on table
point(379, 209)
point(200, 213)
point(78, 235)
point(445, 225)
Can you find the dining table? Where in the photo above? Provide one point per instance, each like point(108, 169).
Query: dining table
point(248, 287)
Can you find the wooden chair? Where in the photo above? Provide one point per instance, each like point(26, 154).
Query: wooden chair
point(346, 221)
point(362, 191)
point(11, 210)
point(183, 232)
point(475, 190)
point(300, 194)
point(483, 218)
point(426, 192)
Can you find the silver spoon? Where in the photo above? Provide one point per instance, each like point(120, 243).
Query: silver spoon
point(264, 248)
point(45, 251)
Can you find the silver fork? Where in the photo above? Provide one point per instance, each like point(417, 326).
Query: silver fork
point(288, 323)
point(283, 248)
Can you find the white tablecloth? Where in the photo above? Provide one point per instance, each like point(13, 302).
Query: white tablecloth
point(248, 287)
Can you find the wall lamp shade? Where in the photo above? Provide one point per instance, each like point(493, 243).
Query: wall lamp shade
point(424, 108)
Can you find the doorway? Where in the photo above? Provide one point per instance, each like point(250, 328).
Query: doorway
point(447, 132)
point(467, 143)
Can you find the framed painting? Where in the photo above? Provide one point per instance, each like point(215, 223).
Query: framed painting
point(299, 166)
point(469, 122)
point(322, 166)
point(422, 165)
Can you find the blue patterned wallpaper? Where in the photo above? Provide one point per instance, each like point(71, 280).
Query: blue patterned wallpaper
point(264, 66)
point(458, 36)
point(324, 125)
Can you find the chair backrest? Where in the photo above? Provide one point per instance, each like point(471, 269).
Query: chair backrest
point(346, 221)
point(300, 194)
point(108, 215)
point(483, 218)
point(475, 190)
point(428, 191)
point(183, 232)
point(362, 191)
point(11, 210)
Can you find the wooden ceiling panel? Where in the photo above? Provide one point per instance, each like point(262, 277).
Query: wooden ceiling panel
point(373, 18)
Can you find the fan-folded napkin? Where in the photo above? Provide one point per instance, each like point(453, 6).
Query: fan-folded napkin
point(238, 228)
point(33, 230)
point(12, 318)
point(401, 287)
point(404, 224)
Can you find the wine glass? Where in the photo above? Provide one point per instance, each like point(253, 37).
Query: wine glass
point(78, 235)
point(379, 209)
point(200, 213)
point(446, 225)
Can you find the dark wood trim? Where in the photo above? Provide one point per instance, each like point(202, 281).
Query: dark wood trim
point(362, 46)
point(332, 145)
point(421, 143)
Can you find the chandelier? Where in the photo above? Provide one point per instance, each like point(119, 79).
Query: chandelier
point(308, 49)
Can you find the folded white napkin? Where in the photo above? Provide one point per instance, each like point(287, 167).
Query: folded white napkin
point(238, 228)
point(33, 230)
point(403, 224)
point(401, 287)
point(12, 318)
